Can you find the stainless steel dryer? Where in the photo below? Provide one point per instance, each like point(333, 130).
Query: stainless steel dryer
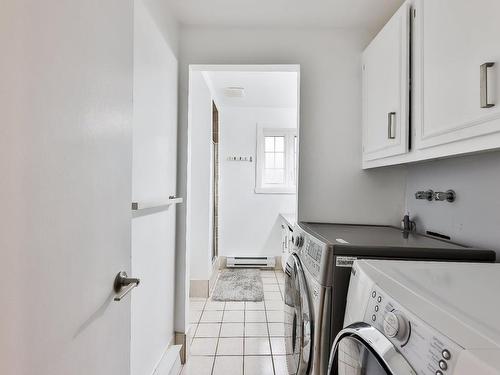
point(317, 280)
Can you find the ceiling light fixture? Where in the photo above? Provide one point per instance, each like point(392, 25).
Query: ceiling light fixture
point(234, 92)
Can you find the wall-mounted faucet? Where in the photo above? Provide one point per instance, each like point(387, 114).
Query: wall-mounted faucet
point(428, 194)
point(448, 195)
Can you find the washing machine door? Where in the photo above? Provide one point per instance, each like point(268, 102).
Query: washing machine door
point(298, 319)
point(361, 349)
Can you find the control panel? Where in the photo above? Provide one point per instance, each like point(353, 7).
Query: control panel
point(314, 254)
point(310, 251)
point(426, 350)
point(311, 256)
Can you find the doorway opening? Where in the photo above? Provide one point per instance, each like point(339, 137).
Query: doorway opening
point(243, 152)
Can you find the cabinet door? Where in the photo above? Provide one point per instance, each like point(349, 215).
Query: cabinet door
point(454, 39)
point(386, 90)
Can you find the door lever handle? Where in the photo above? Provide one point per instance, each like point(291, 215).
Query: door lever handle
point(122, 280)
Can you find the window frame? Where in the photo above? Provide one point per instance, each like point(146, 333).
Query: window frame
point(290, 185)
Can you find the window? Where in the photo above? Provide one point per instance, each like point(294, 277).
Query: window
point(276, 160)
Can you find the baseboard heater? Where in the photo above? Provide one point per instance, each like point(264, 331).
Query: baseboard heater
point(251, 262)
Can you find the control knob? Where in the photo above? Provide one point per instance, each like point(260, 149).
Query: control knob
point(299, 240)
point(395, 325)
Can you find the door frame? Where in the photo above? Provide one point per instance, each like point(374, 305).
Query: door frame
point(183, 275)
point(215, 181)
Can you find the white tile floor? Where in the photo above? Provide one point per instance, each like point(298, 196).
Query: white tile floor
point(239, 338)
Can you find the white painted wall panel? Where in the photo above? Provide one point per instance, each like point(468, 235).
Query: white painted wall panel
point(199, 180)
point(154, 179)
point(473, 218)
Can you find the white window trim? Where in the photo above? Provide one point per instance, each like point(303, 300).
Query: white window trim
point(290, 187)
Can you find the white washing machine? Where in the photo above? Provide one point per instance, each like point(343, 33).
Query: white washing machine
point(317, 279)
point(425, 318)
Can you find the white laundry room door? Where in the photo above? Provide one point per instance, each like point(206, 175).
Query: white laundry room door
point(65, 188)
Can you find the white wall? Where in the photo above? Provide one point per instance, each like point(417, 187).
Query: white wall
point(165, 21)
point(249, 223)
point(474, 217)
point(154, 179)
point(199, 203)
point(332, 185)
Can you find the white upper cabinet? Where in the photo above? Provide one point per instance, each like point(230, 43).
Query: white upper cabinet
point(457, 60)
point(386, 90)
point(455, 83)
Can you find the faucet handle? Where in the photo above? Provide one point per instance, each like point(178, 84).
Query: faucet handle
point(428, 195)
point(448, 196)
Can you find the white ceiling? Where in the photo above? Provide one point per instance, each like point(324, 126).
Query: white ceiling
point(366, 14)
point(262, 89)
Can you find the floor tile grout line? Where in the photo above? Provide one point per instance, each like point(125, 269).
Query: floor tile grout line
point(269, 339)
point(279, 288)
point(269, 334)
point(218, 337)
point(244, 337)
point(198, 321)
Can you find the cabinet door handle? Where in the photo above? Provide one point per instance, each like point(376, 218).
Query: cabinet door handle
point(484, 84)
point(391, 128)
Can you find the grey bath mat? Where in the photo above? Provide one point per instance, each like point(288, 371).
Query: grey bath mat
point(239, 285)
